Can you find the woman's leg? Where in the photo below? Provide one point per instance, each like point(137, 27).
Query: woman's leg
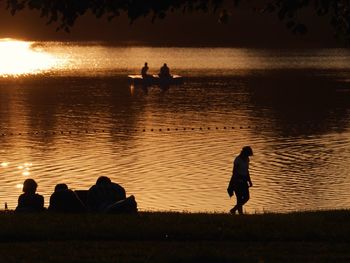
point(245, 195)
point(238, 206)
point(242, 197)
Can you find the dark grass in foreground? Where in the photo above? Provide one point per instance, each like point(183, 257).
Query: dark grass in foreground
point(176, 237)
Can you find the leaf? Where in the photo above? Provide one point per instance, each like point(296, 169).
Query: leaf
point(224, 17)
point(290, 24)
point(299, 28)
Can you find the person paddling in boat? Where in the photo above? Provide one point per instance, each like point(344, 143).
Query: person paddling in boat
point(144, 71)
point(164, 71)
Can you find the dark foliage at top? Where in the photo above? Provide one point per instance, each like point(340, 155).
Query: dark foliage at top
point(66, 12)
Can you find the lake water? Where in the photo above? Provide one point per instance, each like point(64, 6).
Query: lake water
point(68, 115)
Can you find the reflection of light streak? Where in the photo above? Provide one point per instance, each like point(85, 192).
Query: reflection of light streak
point(19, 186)
point(26, 173)
point(4, 164)
point(132, 89)
point(25, 168)
point(19, 58)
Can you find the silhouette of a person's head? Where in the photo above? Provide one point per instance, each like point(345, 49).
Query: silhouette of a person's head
point(146, 64)
point(29, 186)
point(247, 151)
point(60, 187)
point(103, 180)
point(165, 65)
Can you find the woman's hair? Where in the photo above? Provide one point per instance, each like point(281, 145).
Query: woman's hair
point(29, 186)
point(247, 150)
point(60, 187)
point(103, 180)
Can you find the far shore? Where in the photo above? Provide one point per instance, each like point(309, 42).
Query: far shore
point(320, 236)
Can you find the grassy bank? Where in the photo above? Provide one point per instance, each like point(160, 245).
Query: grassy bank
point(176, 237)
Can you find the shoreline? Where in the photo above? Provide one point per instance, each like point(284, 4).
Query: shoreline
point(176, 237)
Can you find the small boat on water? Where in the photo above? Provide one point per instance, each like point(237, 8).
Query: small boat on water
point(155, 80)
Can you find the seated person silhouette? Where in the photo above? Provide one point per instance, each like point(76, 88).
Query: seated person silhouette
point(29, 201)
point(164, 71)
point(109, 197)
point(65, 200)
point(144, 71)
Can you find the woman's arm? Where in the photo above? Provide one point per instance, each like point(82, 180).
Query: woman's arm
point(249, 180)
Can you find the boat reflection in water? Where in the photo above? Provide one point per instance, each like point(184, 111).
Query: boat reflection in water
point(151, 80)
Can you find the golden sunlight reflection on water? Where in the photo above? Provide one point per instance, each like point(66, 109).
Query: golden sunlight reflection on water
point(20, 58)
point(173, 149)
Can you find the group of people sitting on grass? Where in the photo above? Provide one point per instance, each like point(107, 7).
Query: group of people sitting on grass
point(103, 197)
